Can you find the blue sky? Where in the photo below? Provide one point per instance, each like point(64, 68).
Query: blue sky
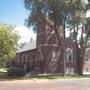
point(13, 12)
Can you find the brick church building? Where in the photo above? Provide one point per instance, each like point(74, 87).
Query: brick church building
point(47, 54)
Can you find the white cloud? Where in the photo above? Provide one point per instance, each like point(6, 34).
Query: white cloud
point(25, 33)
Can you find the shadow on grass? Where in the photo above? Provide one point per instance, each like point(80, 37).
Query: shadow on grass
point(5, 77)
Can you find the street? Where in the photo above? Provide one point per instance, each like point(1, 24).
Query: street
point(36, 84)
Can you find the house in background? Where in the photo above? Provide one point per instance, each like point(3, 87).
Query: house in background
point(49, 55)
point(86, 64)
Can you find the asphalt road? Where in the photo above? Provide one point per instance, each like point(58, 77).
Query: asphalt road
point(65, 84)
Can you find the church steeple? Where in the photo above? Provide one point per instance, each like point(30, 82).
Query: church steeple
point(47, 46)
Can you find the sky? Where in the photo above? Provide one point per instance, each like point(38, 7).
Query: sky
point(13, 12)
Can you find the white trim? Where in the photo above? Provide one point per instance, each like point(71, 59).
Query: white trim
point(55, 45)
point(70, 70)
point(40, 53)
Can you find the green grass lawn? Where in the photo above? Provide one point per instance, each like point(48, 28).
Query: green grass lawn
point(52, 77)
point(3, 70)
point(3, 73)
point(4, 76)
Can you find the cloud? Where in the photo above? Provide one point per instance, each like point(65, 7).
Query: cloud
point(25, 33)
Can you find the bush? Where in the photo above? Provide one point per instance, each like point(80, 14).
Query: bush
point(16, 72)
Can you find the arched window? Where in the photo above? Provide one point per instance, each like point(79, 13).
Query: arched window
point(69, 55)
point(86, 57)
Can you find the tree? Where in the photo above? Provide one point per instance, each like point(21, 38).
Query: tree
point(41, 8)
point(68, 13)
point(8, 42)
point(79, 23)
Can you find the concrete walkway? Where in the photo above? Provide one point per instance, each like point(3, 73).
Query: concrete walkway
point(36, 84)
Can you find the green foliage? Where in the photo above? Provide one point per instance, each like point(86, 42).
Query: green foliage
point(16, 71)
point(77, 11)
point(41, 8)
point(8, 42)
point(61, 12)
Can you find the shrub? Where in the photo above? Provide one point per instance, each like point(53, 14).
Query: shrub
point(16, 72)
